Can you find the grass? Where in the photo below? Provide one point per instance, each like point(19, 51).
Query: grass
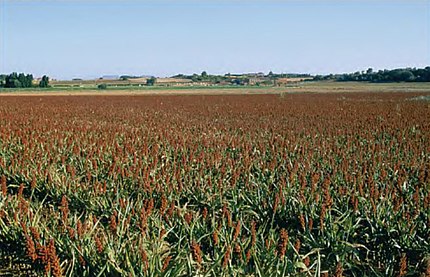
point(312, 87)
point(74, 88)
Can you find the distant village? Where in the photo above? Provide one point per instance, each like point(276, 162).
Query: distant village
point(201, 80)
point(22, 80)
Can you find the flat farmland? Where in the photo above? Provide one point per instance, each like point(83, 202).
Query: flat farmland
point(299, 87)
point(277, 184)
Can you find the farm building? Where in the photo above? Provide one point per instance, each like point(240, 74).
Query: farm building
point(170, 82)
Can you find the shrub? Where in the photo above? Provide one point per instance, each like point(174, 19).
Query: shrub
point(102, 86)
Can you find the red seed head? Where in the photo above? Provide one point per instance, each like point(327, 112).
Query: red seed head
point(297, 245)
point(20, 190)
point(403, 265)
point(253, 233)
point(339, 270)
point(144, 259)
point(196, 252)
point(226, 257)
point(205, 213)
point(248, 255)
point(99, 244)
point(112, 224)
point(236, 230)
point(166, 263)
point(282, 243)
point(302, 222)
point(215, 237)
point(31, 250)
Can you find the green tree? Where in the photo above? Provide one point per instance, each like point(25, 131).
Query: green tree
point(102, 86)
point(2, 80)
point(151, 81)
point(196, 78)
point(406, 75)
point(16, 83)
point(44, 83)
point(22, 80)
point(12, 80)
point(28, 80)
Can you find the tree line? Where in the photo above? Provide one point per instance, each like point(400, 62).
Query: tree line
point(21, 80)
point(381, 76)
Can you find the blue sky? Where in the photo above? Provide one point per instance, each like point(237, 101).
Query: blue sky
point(67, 39)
